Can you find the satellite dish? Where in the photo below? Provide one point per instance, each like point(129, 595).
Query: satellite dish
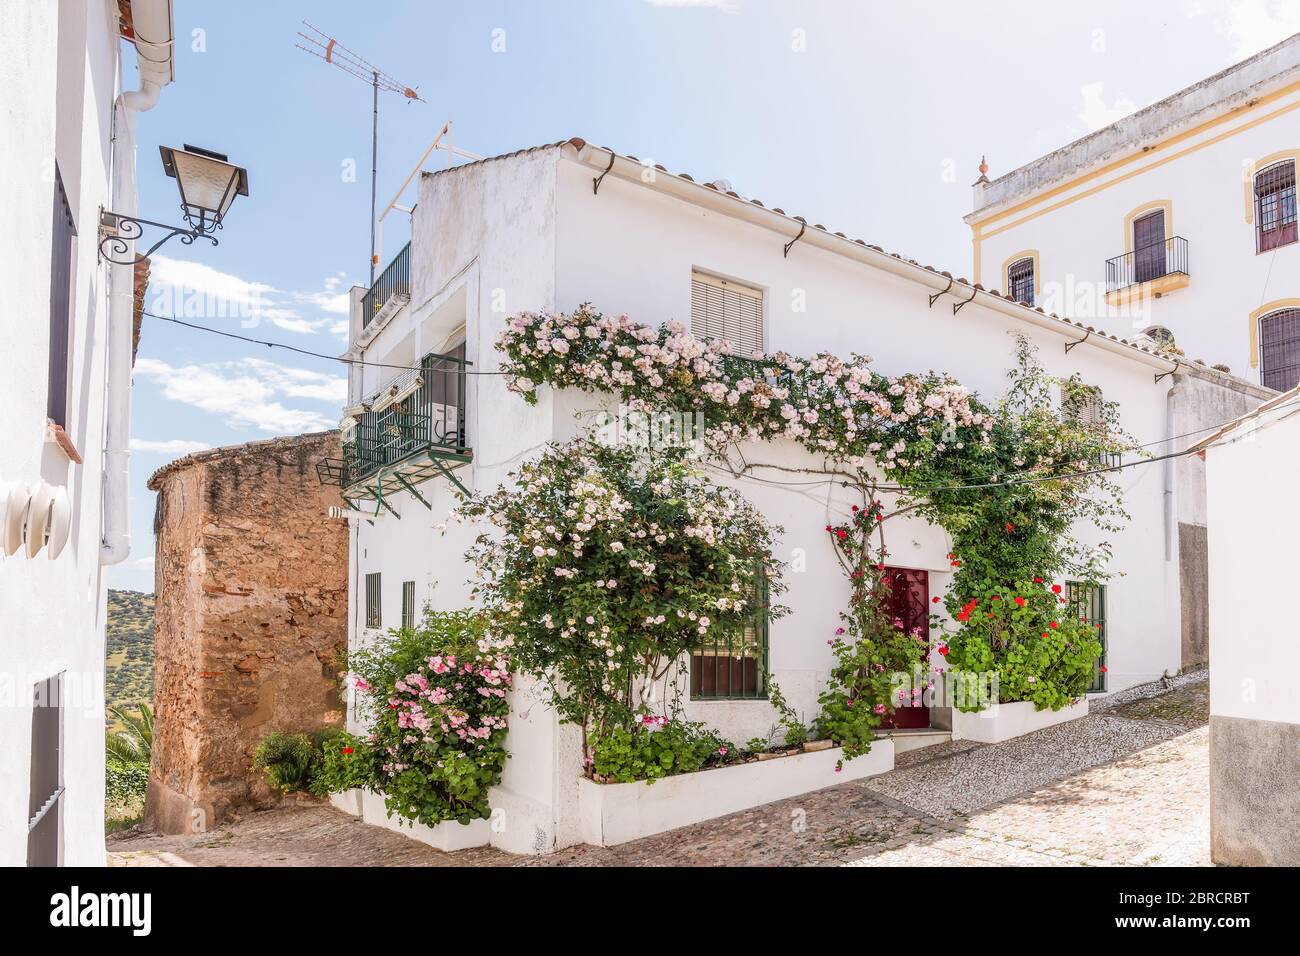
point(38, 519)
point(16, 500)
point(60, 524)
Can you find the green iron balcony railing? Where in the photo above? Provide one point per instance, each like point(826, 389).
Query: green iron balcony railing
point(419, 414)
point(394, 280)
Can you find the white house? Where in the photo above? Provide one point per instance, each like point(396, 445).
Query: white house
point(66, 337)
point(1178, 221)
point(1251, 471)
point(555, 226)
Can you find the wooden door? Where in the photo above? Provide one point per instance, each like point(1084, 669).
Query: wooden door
point(909, 603)
point(1149, 246)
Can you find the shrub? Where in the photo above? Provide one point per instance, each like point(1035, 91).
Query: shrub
point(659, 747)
point(343, 762)
point(1029, 639)
point(437, 697)
point(285, 760)
point(124, 781)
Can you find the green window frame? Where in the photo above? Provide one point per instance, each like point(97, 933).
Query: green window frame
point(735, 667)
point(1090, 602)
point(408, 604)
point(374, 616)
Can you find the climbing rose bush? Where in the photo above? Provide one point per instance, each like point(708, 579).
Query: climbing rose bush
point(605, 565)
point(436, 696)
point(1029, 638)
point(836, 408)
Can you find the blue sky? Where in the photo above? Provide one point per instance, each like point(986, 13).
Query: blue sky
point(869, 117)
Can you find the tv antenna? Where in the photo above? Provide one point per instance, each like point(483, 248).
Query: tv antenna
point(320, 44)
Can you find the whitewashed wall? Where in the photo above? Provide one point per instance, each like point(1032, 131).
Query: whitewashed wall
point(58, 81)
point(1076, 228)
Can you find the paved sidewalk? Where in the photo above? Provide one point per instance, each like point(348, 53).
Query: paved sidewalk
point(1125, 786)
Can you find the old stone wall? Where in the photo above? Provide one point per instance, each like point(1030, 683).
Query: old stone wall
point(251, 614)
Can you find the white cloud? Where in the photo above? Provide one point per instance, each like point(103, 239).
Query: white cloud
point(1096, 114)
point(171, 446)
point(245, 392)
point(194, 290)
point(1255, 25)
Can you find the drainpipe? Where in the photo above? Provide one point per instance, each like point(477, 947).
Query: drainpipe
point(1171, 402)
point(152, 24)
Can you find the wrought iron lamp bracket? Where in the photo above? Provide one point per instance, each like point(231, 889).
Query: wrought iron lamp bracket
point(117, 231)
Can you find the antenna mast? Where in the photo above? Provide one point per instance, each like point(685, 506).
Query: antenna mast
point(319, 44)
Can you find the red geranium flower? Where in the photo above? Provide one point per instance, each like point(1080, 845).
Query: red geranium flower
point(1036, 580)
point(829, 528)
point(956, 564)
point(842, 534)
point(934, 600)
point(1052, 625)
point(1103, 668)
point(943, 650)
point(1010, 527)
point(1056, 589)
point(347, 750)
point(996, 597)
point(1020, 602)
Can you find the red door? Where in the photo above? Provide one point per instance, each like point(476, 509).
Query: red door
point(909, 603)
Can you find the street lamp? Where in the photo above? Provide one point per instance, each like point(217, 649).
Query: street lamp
point(208, 183)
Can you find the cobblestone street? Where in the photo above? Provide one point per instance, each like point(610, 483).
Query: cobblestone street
point(1126, 785)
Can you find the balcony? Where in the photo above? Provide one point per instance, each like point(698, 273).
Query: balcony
point(391, 290)
point(1152, 270)
point(413, 429)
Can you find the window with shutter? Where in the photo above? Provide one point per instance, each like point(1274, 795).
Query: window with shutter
point(1279, 349)
point(1020, 280)
point(373, 616)
point(722, 309)
point(734, 668)
point(408, 604)
point(60, 303)
point(1275, 207)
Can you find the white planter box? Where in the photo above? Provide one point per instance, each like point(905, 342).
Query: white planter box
point(1004, 721)
point(613, 813)
point(449, 836)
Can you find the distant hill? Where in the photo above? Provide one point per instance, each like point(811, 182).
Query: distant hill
point(129, 666)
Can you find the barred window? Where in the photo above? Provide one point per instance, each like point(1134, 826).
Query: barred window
point(734, 668)
point(373, 616)
point(1275, 206)
point(1089, 603)
point(1279, 349)
point(408, 604)
point(722, 309)
point(1020, 280)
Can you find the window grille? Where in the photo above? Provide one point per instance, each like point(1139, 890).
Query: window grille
point(1020, 280)
point(1089, 601)
point(1275, 206)
point(408, 604)
point(373, 616)
point(1279, 349)
point(721, 309)
point(734, 668)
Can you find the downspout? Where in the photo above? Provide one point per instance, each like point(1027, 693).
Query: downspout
point(1171, 404)
point(152, 24)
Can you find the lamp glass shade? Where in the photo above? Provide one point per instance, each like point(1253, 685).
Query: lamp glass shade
point(208, 183)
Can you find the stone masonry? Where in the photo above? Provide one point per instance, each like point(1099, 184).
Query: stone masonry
point(251, 614)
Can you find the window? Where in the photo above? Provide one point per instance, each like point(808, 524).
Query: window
point(373, 617)
point(1279, 349)
point(1020, 280)
point(1275, 206)
point(45, 793)
point(60, 303)
point(408, 604)
point(1161, 336)
point(734, 668)
point(1089, 603)
point(1087, 407)
point(721, 309)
